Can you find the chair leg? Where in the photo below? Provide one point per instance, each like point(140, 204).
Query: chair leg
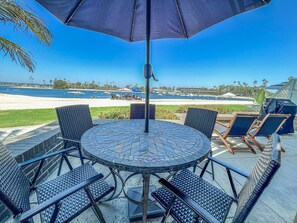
point(60, 165)
point(68, 162)
point(194, 168)
point(95, 207)
point(225, 142)
point(248, 144)
point(212, 169)
point(255, 142)
point(80, 155)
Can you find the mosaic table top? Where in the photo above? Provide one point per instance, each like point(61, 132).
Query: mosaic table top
point(167, 147)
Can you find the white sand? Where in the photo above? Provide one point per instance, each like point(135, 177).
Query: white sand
point(25, 102)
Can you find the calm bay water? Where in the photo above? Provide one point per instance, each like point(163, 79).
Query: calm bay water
point(53, 93)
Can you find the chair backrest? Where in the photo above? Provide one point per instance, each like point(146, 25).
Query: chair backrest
point(201, 119)
point(14, 185)
point(260, 177)
point(271, 124)
point(241, 123)
point(74, 121)
point(137, 111)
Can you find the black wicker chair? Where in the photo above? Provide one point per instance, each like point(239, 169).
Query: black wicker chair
point(204, 121)
point(60, 200)
point(189, 198)
point(74, 121)
point(137, 111)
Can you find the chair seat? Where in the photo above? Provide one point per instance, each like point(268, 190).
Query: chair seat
point(213, 200)
point(77, 202)
point(220, 128)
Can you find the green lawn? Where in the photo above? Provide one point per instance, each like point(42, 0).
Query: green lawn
point(14, 118)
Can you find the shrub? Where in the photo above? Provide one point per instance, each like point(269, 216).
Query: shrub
point(162, 113)
point(124, 113)
point(221, 109)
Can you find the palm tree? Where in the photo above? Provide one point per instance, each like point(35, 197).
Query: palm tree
point(14, 12)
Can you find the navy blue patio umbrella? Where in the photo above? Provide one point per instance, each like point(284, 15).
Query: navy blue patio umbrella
point(137, 20)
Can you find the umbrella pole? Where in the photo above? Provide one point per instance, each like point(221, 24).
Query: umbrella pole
point(147, 66)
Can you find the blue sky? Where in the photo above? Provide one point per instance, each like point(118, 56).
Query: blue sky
point(253, 46)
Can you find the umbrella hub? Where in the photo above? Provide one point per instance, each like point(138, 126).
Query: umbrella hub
point(148, 71)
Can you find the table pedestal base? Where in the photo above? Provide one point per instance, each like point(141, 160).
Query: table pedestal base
point(135, 211)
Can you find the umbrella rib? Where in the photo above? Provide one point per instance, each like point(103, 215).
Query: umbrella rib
point(133, 21)
point(73, 12)
point(181, 19)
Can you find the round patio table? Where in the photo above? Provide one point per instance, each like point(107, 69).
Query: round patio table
point(124, 146)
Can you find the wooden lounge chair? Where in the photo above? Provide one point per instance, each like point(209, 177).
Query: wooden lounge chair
point(239, 126)
point(271, 123)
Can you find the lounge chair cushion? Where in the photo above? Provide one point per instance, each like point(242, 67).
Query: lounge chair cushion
point(212, 199)
point(77, 202)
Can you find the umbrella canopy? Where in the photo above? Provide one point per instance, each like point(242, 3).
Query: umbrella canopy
point(126, 19)
point(136, 20)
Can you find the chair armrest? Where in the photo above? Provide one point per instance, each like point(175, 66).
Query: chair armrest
point(69, 140)
point(45, 156)
point(193, 205)
point(56, 199)
point(226, 165)
point(223, 124)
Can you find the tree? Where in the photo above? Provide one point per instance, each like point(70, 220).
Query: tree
point(61, 84)
point(255, 82)
point(14, 12)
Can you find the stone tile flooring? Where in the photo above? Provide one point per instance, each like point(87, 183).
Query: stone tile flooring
point(277, 204)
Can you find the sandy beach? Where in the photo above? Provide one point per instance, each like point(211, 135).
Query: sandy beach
point(8, 102)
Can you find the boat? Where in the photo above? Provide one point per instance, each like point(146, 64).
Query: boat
point(75, 92)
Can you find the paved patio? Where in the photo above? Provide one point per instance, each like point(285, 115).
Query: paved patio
point(278, 203)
